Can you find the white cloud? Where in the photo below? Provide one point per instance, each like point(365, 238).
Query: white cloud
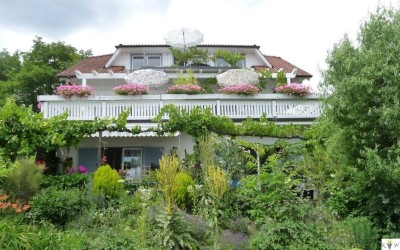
point(299, 31)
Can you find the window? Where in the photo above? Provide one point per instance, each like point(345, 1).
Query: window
point(146, 60)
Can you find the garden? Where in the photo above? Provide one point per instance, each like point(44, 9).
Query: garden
point(229, 194)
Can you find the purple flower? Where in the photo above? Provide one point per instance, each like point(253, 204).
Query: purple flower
point(131, 89)
point(71, 170)
point(82, 169)
point(67, 91)
point(296, 89)
point(185, 89)
point(241, 89)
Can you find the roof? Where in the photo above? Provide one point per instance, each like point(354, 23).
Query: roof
point(96, 63)
point(279, 63)
point(200, 46)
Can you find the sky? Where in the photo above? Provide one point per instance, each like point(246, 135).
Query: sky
point(300, 31)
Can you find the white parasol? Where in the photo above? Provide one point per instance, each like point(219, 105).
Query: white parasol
point(237, 76)
point(147, 77)
point(183, 38)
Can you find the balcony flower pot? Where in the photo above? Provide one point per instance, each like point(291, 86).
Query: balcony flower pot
point(190, 89)
point(295, 89)
point(131, 89)
point(67, 91)
point(240, 89)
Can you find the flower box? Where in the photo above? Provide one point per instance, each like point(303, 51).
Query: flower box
point(240, 89)
point(67, 91)
point(295, 89)
point(190, 89)
point(131, 89)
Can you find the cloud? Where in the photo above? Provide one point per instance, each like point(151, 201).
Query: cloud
point(53, 18)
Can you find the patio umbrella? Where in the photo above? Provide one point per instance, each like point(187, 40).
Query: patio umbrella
point(183, 38)
point(237, 76)
point(147, 77)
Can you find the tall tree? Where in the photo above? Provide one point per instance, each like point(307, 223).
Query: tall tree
point(361, 118)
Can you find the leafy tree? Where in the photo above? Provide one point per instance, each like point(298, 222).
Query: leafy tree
point(9, 64)
point(359, 128)
point(33, 73)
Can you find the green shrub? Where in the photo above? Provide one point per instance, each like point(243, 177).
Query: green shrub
point(75, 180)
point(57, 206)
point(16, 235)
point(183, 198)
point(106, 182)
point(365, 235)
point(24, 179)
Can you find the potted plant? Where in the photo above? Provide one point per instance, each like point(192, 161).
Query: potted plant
point(67, 91)
point(240, 89)
point(296, 89)
point(131, 89)
point(190, 89)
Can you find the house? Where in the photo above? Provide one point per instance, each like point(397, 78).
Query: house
point(125, 150)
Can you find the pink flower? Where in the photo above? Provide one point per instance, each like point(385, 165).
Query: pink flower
point(82, 169)
point(67, 91)
point(296, 89)
point(240, 89)
point(131, 89)
point(185, 89)
point(71, 170)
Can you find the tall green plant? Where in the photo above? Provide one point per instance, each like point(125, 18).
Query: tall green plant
point(231, 58)
point(24, 179)
point(107, 182)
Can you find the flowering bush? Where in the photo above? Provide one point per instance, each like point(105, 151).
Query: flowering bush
point(81, 170)
point(74, 90)
point(7, 206)
point(131, 89)
point(186, 89)
point(241, 89)
point(296, 89)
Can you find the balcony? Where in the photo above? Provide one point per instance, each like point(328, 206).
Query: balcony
point(278, 107)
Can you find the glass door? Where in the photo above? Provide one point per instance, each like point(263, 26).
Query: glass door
point(132, 162)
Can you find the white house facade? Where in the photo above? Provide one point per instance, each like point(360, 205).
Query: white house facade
point(124, 150)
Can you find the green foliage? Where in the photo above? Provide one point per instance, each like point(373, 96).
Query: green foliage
point(193, 54)
point(107, 182)
point(24, 179)
point(57, 206)
point(75, 180)
point(281, 78)
point(16, 235)
point(172, 231)
point(199, 122)
point(365, 235)
point(182, 197)
point(185, 78)
point(231, 58)
point(166, 179)
point(9, 64)
point(264, 75)
point(34, 73)
point(361, 107)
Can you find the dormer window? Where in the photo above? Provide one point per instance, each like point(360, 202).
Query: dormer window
point(146, 60)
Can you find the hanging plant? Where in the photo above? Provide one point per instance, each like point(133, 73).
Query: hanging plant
point(296, 89)
point(240, 89)
point(67, 91)
point(190, 89)
point(131, 89)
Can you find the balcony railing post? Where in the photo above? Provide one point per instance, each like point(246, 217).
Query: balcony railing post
point(103, 109)
point(218, 107)
point(274, 108)
point(45, 109)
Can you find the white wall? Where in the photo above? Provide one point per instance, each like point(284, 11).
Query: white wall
point(182, 142)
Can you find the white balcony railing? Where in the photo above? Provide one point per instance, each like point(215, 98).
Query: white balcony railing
point(145, 107)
